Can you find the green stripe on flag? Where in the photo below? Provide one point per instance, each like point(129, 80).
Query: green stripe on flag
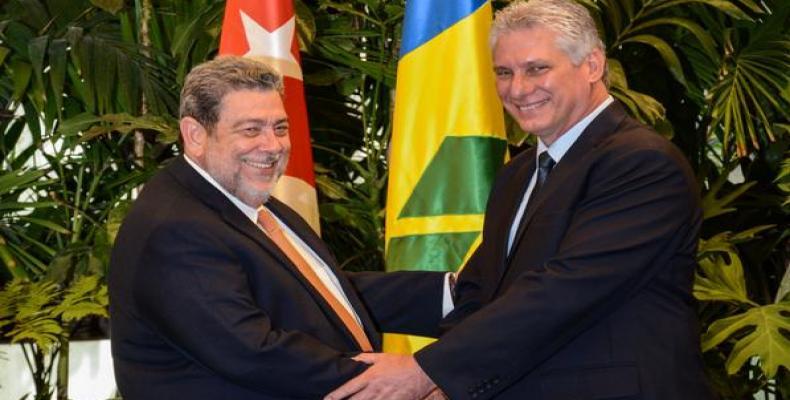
point(432, 252)
point(458, 179)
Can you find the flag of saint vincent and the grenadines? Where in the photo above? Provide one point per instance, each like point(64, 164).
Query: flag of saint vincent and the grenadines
point(447, 144)
point(266, 30)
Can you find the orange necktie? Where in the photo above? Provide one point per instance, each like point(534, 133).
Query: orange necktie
point(272, 229)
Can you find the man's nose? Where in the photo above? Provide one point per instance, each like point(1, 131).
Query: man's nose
point(269, 141)
point(521, 85)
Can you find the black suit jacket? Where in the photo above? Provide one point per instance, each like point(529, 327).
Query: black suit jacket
point(595, 302)
point(204, 306)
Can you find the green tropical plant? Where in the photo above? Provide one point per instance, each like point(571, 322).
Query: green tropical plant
point(59, 233)
point(747, 93)
point(744, 333)
point(39, 315)
point(350, 78)
point(749, 340)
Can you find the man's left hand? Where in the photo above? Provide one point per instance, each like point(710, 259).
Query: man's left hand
point(390, 376)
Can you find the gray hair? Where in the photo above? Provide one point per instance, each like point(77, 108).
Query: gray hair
point(577, 35)
point(208, 83)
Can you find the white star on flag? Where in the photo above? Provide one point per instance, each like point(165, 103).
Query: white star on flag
point(273, 47)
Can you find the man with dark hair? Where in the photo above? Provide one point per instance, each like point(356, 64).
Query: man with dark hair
point(218, 291)
point(582, 285)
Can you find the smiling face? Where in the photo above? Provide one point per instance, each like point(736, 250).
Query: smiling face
point(247, 151)
point(539, 85)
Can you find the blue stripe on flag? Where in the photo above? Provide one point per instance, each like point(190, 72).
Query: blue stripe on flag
point(427, 18)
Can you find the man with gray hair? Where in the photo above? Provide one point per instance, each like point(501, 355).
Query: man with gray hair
point(582, 285)
point(219, 291)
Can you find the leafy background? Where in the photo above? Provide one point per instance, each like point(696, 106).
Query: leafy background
point(88, 99)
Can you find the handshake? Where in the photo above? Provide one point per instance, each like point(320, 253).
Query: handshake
point(390, 376)
point(395, 376)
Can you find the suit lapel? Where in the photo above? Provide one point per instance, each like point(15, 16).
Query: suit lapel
point(514, 193)
point(302, 229)
point(217, 201)
point(306, 233)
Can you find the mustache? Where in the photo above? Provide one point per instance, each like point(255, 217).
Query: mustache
point(264, 158)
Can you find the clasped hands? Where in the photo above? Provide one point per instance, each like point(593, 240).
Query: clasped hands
point(390, 376)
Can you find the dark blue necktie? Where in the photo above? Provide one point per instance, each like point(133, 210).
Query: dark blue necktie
point(545, 164)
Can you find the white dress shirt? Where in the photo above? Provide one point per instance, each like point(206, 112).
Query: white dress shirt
point(557, 150)
point(318, 265)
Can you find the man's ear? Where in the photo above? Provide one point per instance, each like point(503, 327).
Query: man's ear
point(195, 136)
point(596, 65)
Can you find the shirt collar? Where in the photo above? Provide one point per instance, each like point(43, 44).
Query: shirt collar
point(250, 212)
point(561, 146)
